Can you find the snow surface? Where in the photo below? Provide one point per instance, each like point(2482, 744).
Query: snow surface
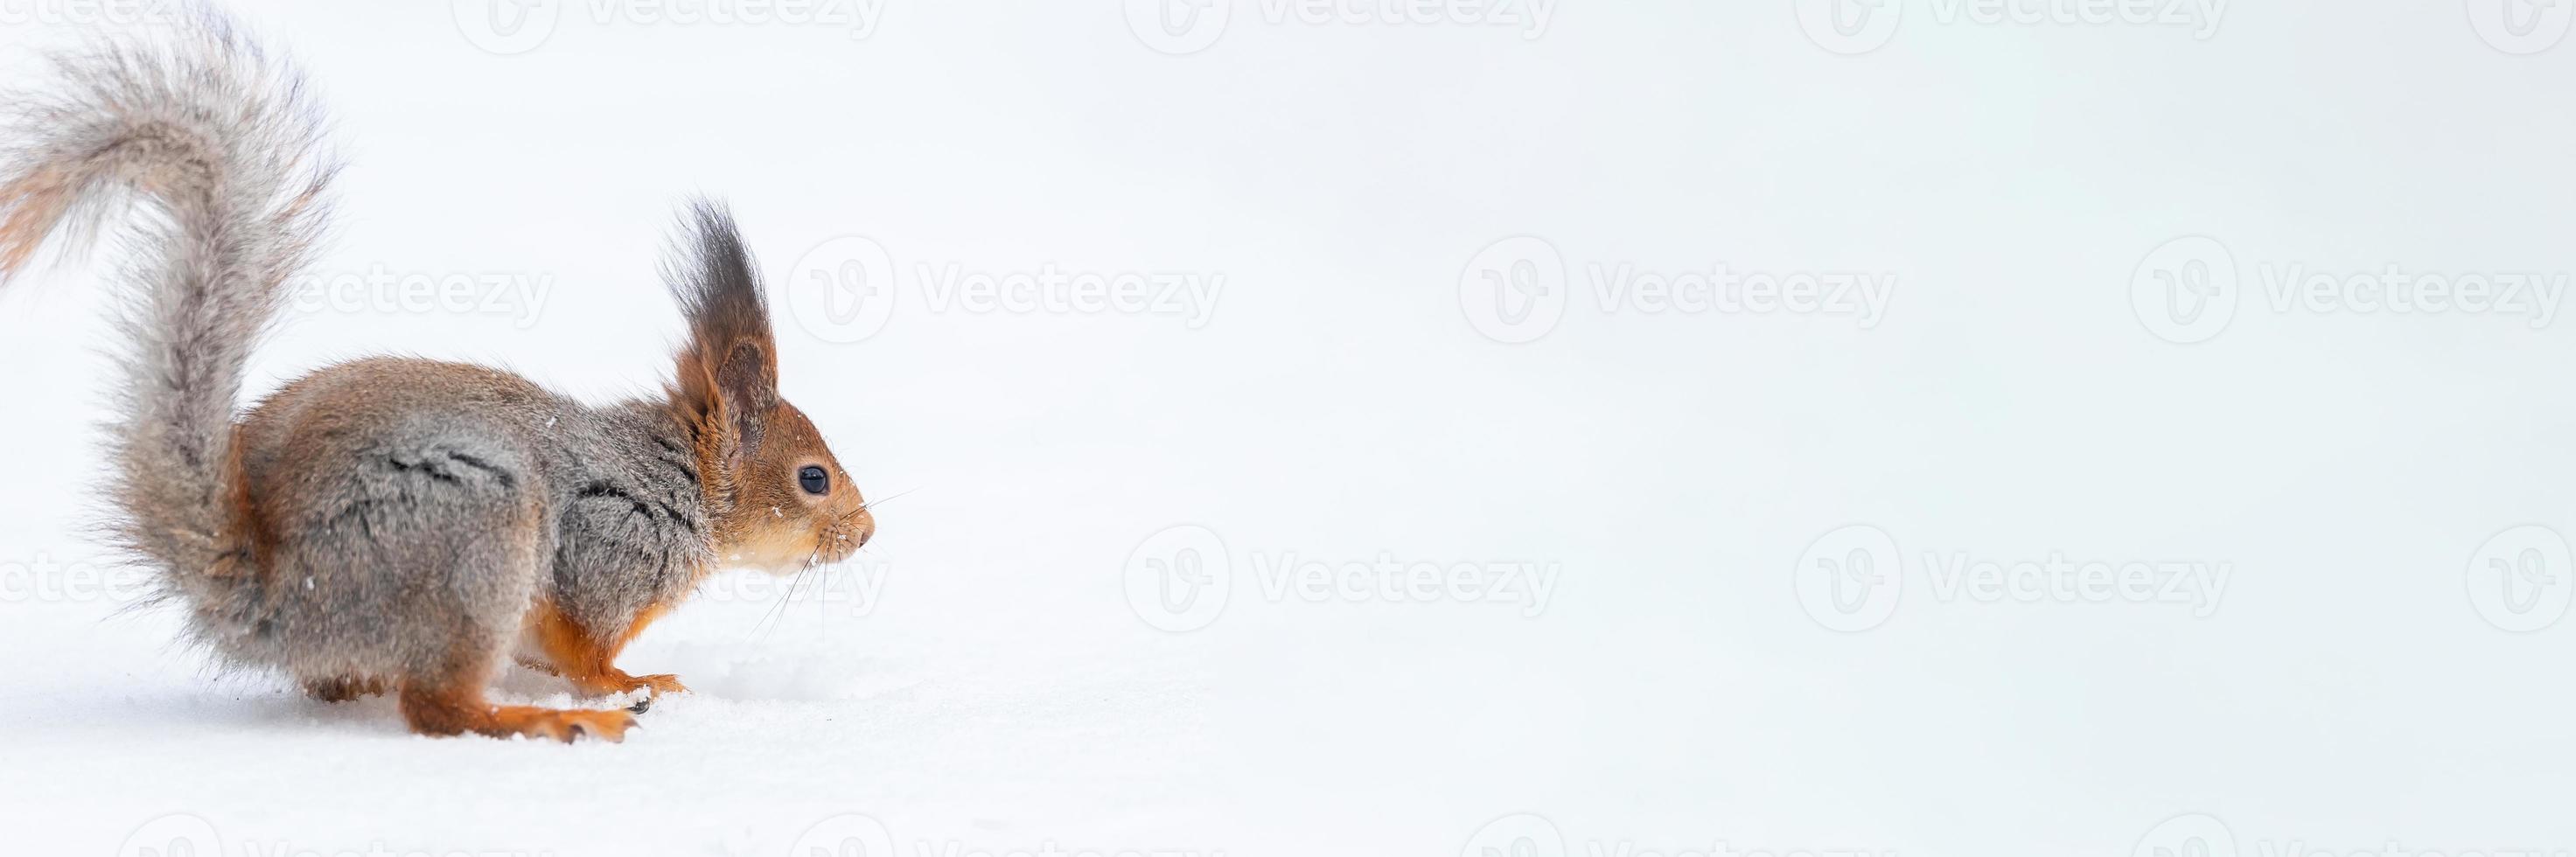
point(978, 681)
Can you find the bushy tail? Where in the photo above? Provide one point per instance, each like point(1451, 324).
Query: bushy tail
point(224, 150)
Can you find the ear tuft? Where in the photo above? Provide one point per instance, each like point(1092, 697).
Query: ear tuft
point(712, 275)
point(728, 373)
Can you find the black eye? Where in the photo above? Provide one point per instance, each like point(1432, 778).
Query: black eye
point(812, 479)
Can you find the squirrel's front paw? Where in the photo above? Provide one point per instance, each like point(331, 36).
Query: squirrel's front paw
point(622, 683)
point(562, 725)
point(659, 684)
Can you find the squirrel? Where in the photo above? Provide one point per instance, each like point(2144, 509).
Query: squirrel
point(394, 525)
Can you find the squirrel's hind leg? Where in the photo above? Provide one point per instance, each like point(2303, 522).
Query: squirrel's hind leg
point(453, 704)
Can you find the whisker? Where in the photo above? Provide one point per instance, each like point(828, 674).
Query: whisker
point(823, 605)
point(794, 586)
point(779, 610)
point(885, 499)
point(764, 616)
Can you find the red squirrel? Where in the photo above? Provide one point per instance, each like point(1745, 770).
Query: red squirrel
point(394, 525)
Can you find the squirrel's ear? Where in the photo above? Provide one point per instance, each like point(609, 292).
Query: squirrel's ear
point(729, 372)
point(748, 381)
point(728, 394)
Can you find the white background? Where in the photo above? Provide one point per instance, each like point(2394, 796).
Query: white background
point(978, 678)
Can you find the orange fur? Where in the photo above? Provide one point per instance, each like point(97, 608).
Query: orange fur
point(455, 709)
point(588, 660)
point(250, 527)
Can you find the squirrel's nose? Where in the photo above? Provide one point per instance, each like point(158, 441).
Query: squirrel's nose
point(865, 527)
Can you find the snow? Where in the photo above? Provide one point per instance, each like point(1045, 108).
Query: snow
point(1473, 591)
point(839, 707)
